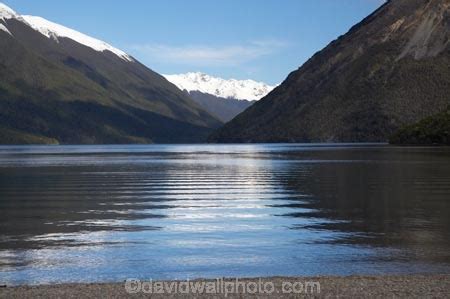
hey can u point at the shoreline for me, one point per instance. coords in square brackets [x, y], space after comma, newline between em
[398, 286]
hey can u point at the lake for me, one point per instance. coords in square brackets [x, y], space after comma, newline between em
[107, 213]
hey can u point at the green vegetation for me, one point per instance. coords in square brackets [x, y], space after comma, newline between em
[10, 136]
[431, 130]
[70, 94]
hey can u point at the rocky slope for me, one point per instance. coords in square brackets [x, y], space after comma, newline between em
[61, 86]
[390, 70]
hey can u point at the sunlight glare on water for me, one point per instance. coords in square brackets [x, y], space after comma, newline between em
[106, 213]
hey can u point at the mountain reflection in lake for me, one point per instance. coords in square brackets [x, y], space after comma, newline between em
[106, 213]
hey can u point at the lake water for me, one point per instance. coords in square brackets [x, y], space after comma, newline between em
[107, 213]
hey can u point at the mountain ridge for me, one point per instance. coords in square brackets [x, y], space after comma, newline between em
[54, 31]
[249, 90]
[220, 97]
[388, 71]
[74, 93]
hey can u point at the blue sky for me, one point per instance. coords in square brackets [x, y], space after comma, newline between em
[262, 40]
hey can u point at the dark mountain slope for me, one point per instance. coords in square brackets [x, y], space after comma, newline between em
[63, 91]
[224, 109]
[390, 70]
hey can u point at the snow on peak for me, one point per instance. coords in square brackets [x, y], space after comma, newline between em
[232, 88]
[3, 28]
[53, 30]
[7, 13]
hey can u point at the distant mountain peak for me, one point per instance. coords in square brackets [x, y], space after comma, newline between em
[55, 31]
[236, 89]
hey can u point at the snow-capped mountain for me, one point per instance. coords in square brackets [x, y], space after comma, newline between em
[62, 86]
[55, 31]
[7, 13]
[230, 89]
[223, 98]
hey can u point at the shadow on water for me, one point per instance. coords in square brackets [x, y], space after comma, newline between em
[379, 198]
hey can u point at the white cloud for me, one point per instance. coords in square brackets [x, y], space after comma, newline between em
[202, 55]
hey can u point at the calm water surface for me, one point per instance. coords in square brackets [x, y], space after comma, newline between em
[106, 213]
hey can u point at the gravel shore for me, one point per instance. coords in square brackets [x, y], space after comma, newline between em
[399, 286]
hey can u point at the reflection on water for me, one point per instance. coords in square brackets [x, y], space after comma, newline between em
[105, 213]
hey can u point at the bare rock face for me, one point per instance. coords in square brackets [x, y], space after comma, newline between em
[430, 37]
[390, 70]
